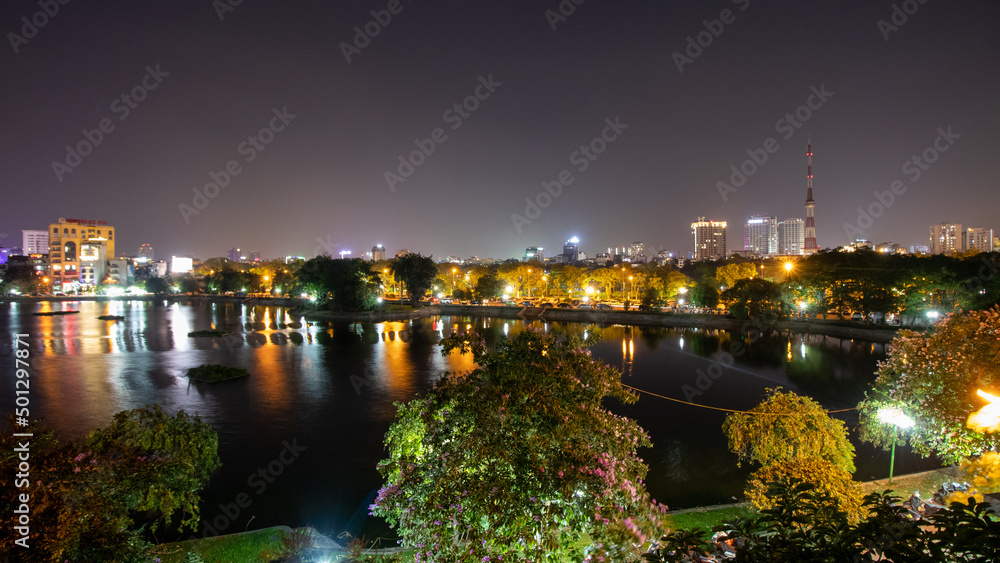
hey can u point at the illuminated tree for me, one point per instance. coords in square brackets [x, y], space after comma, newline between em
[933, 379]
[518, 460]
[90, 500]
[786, 426]
[729, 274]
[416, 272]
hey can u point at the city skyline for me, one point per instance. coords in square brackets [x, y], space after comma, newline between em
[482, 130]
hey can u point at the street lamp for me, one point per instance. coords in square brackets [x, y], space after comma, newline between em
[630, 286]
[546, 280]
[897, 419]
[453, 270]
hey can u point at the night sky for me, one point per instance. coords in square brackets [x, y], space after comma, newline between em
[212, 81]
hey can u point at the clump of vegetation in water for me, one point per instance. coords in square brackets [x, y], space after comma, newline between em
[215, 372]
[214, 333]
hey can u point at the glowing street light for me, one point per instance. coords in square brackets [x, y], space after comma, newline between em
[986, 419]
[895, 417]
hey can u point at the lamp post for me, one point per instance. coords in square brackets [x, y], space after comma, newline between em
[898, 420]
[546, 280]
[453, 270]
[630, 286]
[529, 283]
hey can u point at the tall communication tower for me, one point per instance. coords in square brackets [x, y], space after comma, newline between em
[810, 238]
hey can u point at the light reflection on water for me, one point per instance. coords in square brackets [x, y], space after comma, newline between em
[332, 386]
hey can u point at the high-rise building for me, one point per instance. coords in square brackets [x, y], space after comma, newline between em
[708, 239]
[378, 253]
[809, 246]
[571, 251]
[791, 237]
[534, 253]
[67, 239]
[946, 238]
[234, 255]
[146, 251]
[255, 256]
[637, 252]
[760, 235]
[978, 238]
[35, 242]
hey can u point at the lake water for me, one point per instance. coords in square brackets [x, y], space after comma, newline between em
[300, 438]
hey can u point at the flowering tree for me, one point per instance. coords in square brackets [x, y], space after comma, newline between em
[518, 460]
[86, 497]
[933, 378]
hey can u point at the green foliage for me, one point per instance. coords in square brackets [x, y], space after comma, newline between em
[343, 284]
[158, 286]
[489, 286]
[756, 298]
[729, 274]
[805, 524]
[705, 295]
[933, 378]
[21, 279]
[87, 496]
[518, 458]
[416, 272]
[786, 426]
[824, 476]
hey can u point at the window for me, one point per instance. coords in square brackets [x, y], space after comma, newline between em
[74, 232]
[70, 251]
[111, 234]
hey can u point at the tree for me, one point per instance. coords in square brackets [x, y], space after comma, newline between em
[159, 286]
[729, 274]
[489, 286]
[518, 458]
[933, 378]
[704, 295]
[756, 298]
[417, 272]
[342, 284]
[147, 466]
[786, 426]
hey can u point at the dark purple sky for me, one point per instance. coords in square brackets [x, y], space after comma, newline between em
[322, 177]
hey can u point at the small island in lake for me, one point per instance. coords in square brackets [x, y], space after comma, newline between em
[214, 333]
[214, 372]
[54, 313]
[111, 318]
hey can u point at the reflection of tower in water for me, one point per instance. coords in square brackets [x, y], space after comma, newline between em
[628, 350]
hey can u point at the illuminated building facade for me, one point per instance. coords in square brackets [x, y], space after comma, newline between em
[75, 248]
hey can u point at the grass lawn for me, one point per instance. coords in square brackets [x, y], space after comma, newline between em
[223, 549]
[706, 519]
[245, 548]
